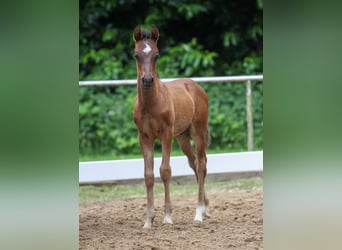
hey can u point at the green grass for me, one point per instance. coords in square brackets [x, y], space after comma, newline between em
[112, 191]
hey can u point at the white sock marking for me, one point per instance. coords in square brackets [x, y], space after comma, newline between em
[199, 213]
[168, 219]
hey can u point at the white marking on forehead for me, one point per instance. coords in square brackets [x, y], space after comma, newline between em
[147, 48]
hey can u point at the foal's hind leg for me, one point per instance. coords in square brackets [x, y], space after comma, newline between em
[201, 163]
[184, 143]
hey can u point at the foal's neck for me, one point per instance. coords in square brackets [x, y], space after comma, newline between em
[150, 95]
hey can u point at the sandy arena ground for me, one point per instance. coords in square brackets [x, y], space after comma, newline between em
[236, 223]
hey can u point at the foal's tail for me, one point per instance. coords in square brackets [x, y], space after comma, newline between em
[208, 138]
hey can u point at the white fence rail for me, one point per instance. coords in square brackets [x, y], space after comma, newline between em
[247, 79]
[106, 171]
[257, 78]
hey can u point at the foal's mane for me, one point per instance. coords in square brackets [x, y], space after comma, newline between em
[140, 34]
[146, 34]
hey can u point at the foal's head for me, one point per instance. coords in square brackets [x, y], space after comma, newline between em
[146, 54]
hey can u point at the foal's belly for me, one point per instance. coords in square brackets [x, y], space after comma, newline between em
[183, 120]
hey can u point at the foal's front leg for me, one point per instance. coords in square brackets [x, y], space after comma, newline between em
[165, 174]
[146, 146]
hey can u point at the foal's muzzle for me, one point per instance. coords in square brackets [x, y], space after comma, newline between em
[147, 82]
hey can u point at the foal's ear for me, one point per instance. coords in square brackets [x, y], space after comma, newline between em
[154, 34]
[137, 34]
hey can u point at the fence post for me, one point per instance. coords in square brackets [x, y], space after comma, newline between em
[249, 112]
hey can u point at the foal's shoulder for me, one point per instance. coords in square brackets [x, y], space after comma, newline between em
[182, 82]
[185, 85]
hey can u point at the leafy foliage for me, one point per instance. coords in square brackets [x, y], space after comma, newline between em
[197, 38]
[106, 124]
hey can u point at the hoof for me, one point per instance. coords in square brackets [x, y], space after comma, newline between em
[197, 223]
[200, 211]
[147, 225]
[167, 219]
[198, 220]
[149, 219]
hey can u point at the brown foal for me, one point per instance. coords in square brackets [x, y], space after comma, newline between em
[162, 111]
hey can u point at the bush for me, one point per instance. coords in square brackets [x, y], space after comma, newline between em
[106, 125]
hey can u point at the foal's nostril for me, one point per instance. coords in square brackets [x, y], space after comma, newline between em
[147, 81]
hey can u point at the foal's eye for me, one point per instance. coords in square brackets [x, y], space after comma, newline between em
[156, 56]
[136, 55]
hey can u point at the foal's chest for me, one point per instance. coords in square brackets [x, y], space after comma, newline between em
[153, 125]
